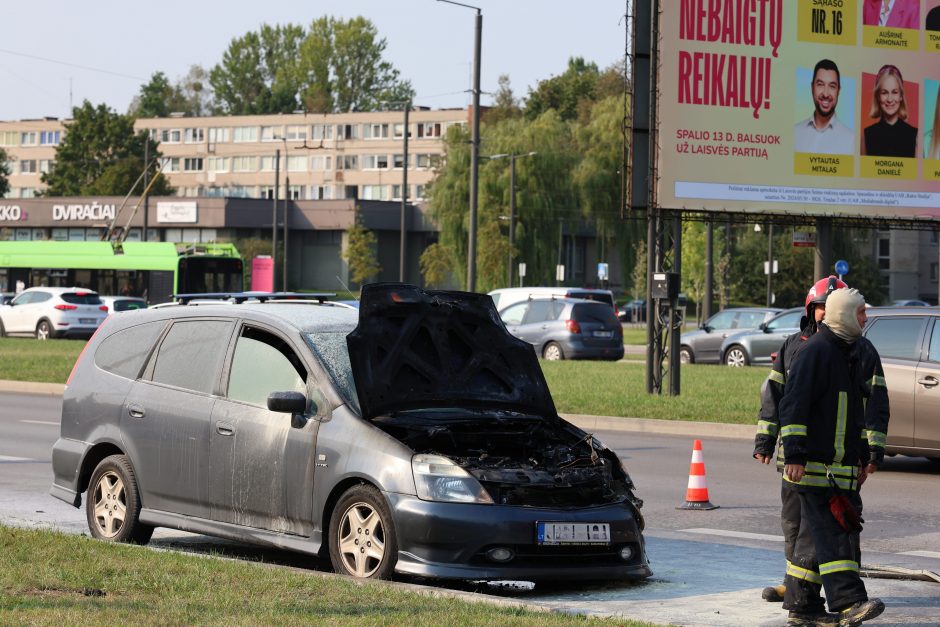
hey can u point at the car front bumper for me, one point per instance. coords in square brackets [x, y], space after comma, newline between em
[451, 540]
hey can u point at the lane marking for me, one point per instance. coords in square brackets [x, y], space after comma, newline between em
[8, 458]
[933, 554]
[40, 422]
[734, 534]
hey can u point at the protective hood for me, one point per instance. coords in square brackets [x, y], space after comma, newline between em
[417, 349]
[842, 313]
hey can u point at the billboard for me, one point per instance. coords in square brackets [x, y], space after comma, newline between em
[813, 107]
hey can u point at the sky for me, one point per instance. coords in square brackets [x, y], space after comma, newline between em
[56, 53]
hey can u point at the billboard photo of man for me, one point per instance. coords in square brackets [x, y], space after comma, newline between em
[823, 132]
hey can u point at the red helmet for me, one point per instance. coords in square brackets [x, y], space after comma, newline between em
[821, 289]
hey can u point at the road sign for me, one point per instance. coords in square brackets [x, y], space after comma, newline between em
[560, 273]
[842, 267]
[521, 269]
[804, 238]
[602, 272]
[767, 269]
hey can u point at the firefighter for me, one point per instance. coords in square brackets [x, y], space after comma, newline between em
[768, 420]
[826, 457]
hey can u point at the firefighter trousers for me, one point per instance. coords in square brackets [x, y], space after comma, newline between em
[824, 556]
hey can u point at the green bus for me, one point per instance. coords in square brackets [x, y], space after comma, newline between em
[151, 270]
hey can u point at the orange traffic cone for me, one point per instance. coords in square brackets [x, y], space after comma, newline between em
[696, 496]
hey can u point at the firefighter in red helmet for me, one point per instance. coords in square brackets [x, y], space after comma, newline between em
[769, 424]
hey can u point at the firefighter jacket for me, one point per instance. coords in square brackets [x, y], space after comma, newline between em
[822, 412]
[873, 389]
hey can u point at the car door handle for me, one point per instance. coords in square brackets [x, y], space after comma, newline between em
[135, 411]
[224, 428]
[928, 382]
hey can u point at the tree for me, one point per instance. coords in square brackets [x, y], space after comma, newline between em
[566, 92]
[100, 155]
[341, 68]
[158, 98]
[436, 265]
[154, 98]
[360, 252]
[505, 104]
[4, 173]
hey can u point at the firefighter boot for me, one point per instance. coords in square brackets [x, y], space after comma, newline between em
[857, 613]
[813, 619]
[773, 594]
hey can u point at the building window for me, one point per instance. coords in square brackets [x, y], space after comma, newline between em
[170, 135]
[171, 164]
[296, 132]
[321, 163]
[347, 131]
[9, 138]
[50, 138]
[192, 164]
[398, 131]
[194, 135]
[272, 133]
[296, 164]
[429, 129]
[28, 192]
[398, 161]
[218, 135]
[295, 192]
[374, 192]
[374, 162]
[321, 131]
[396, 192]
[29, 166]
[934, 237]
[29, 138]
[884, 253]
[244, 164]
[45, 165]
[321, 192]
[267, 163]
[419, 192]
[218, 164]
[347, 162]
[375, 131]
[246, 134]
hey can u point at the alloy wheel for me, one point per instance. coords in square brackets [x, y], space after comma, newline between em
[362, 540]
[110, 500]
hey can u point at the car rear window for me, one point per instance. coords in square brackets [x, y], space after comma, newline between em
[594, 312]
[598, 296]
[124, 352]
[81, 298]
[128, 305]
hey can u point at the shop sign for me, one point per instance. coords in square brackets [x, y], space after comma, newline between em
[77, 212]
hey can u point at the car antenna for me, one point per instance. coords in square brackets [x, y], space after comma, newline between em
[345, 287]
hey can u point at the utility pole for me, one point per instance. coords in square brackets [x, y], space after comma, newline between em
[277, 183]
[403, 240]
[287, 198]
[146, 183]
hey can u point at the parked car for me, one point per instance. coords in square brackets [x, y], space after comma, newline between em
[759, 345]
[566, 328]
[123, 303]
[703, 346]
[49, 312]
[908, 341]
[910, 303]
[506, 296]
[634, 311]
[414, 436]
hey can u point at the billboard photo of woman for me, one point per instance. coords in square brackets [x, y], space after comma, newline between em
[891, 135]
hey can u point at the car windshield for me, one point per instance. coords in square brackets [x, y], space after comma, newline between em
[330, 348]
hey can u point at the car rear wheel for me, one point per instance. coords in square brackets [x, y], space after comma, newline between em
[113, 504]
[43, 330]
[553, 352]
[736, 356]
[685, 355]
[362, 540]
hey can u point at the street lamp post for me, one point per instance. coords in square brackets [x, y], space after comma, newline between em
[287, 198]
[277, 183]
[403, 240]
[512, 202]
[474, 150]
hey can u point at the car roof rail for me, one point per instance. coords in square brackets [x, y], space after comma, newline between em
[261, 297]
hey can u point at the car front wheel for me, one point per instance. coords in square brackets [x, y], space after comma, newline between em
[686, 356]
[362, 535]
[553, 352]
[43, 330]
[113, 504]
[736, 356]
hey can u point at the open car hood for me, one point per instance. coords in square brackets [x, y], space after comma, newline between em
[417, 349]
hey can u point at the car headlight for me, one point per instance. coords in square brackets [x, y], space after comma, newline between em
[439, 479]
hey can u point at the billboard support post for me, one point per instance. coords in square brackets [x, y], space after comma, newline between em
[823, 258]
[770, 262]
[709, 269]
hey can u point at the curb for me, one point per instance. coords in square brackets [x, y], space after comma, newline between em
[582, 421]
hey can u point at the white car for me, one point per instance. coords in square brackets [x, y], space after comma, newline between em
[123, 303]
[47, 312]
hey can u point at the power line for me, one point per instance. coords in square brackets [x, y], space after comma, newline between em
[75, 65]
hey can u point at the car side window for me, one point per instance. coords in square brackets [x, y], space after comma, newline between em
[264, 363]
[933, 353]
[540, 311]
[192, 353]
[40, 297]
[515, 313]
[748, 320]
[22, 299]
[124, 352]
[786, 321]
[723, 320]
[897, 338]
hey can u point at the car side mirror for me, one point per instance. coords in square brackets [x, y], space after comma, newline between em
[763, 327]
[293, 403]
[707, 328]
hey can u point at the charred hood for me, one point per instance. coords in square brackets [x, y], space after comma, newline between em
[417, 349]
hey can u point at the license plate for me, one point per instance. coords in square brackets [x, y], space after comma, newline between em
[555, 533]
[88, 321]
[603, 334]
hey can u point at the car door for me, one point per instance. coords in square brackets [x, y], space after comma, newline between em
[537, 327]
[720, 326]
[927, 394]
[777, 330]
[16, 313]
[166, 416]
[898, 341]
[513, 316]
[261, 468]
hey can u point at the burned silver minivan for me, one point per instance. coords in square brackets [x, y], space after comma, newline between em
[413, 436]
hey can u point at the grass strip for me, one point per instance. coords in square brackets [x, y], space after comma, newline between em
[27, 359]
[50, 578]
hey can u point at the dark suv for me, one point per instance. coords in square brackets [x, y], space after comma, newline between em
[413, 435]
